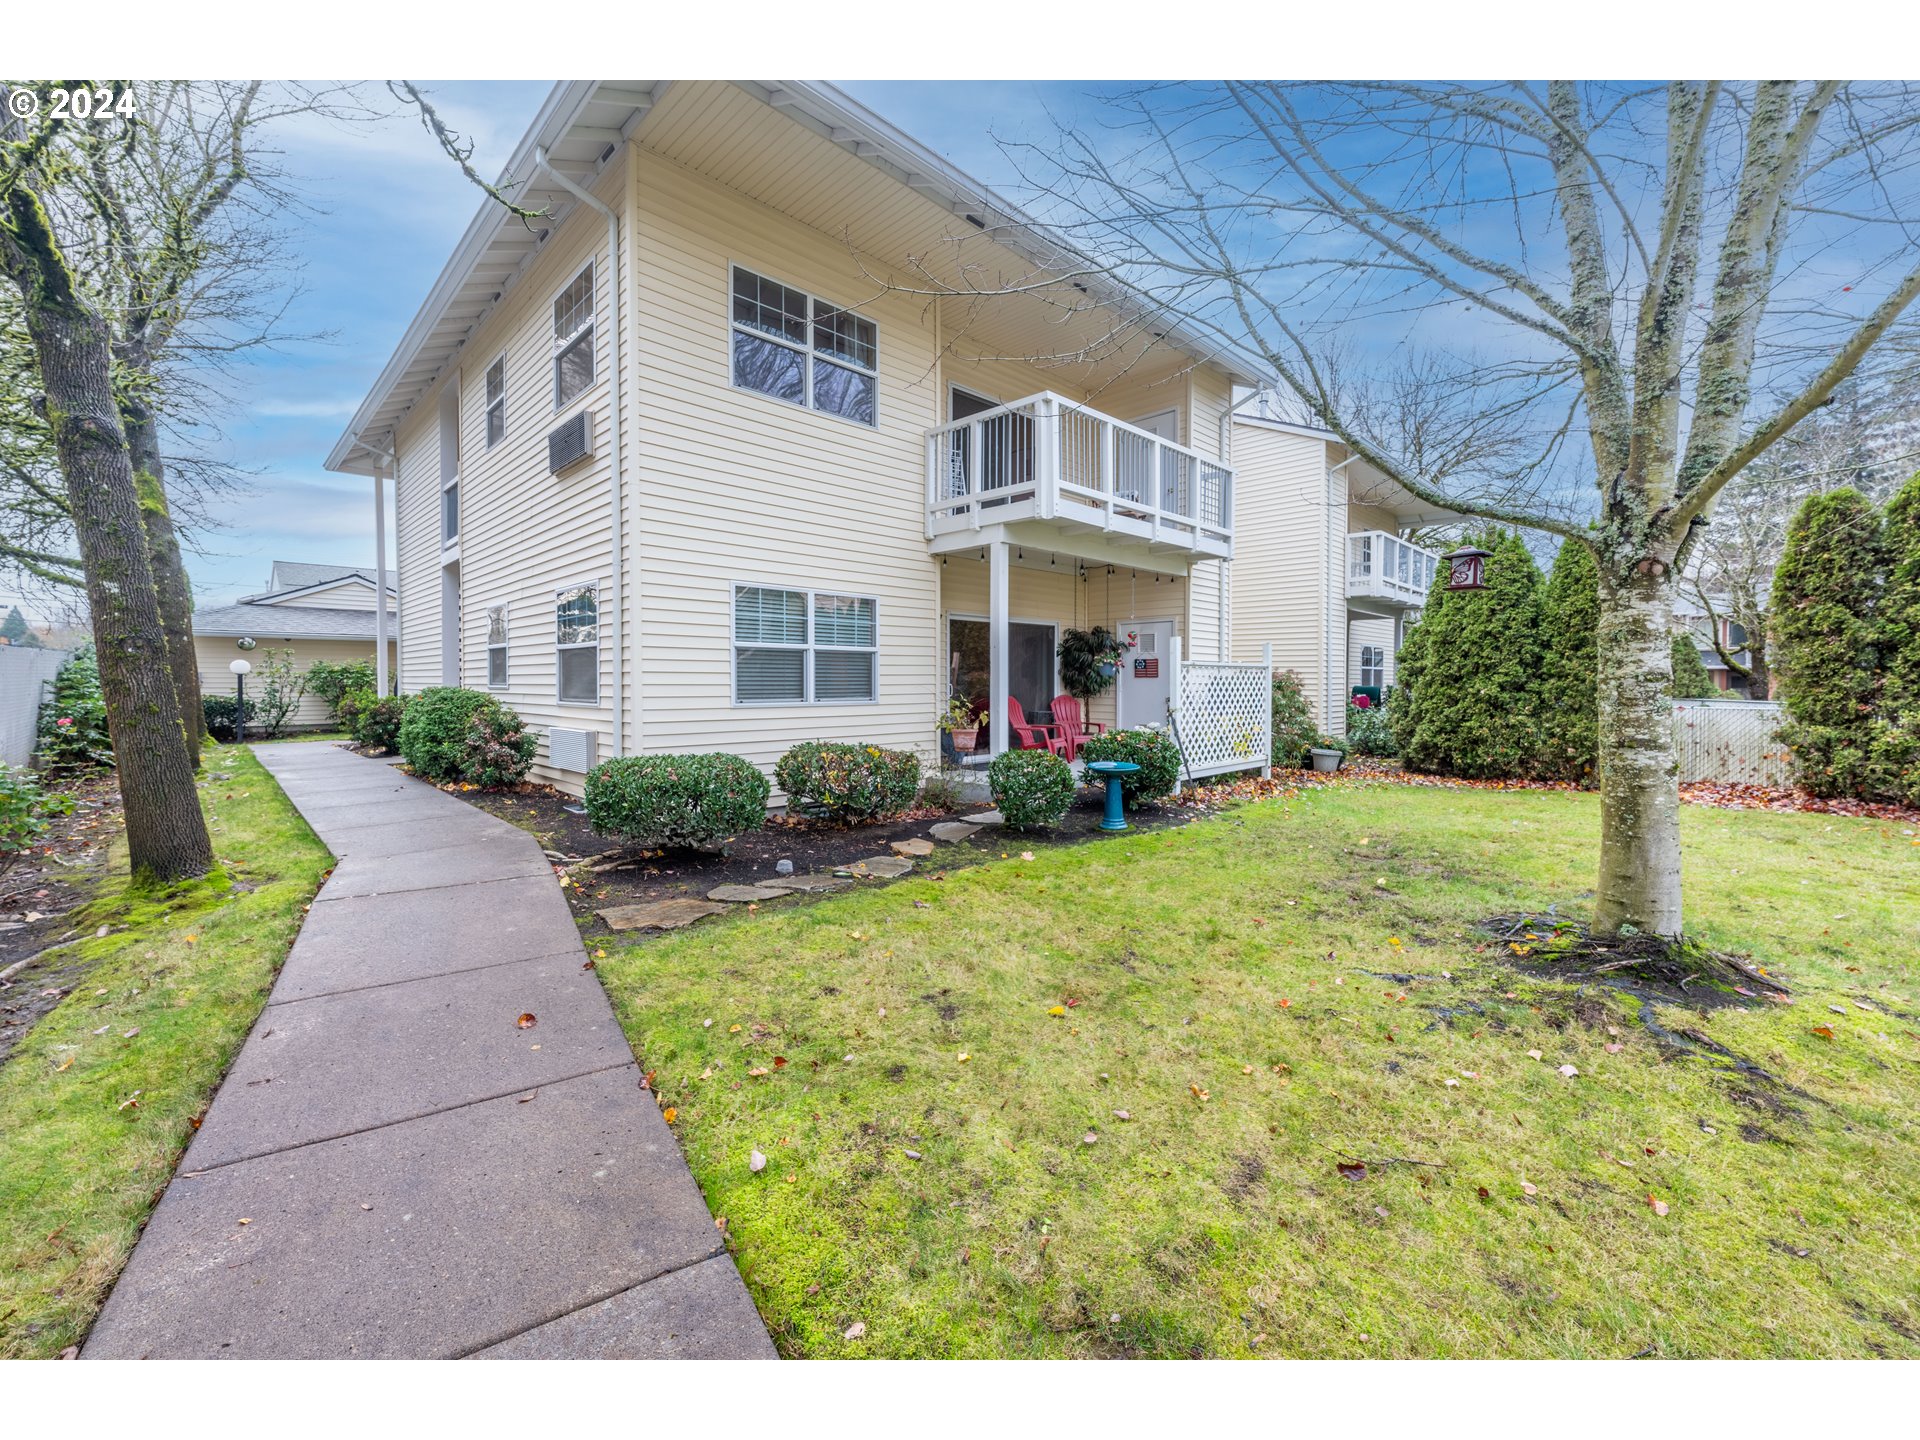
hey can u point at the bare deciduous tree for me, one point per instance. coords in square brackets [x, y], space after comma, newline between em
[1665, 279]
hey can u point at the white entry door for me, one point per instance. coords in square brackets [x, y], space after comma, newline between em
[1145, 676]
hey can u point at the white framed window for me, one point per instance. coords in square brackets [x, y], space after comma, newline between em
[496, 402]
[497, 647]
[577, 644]
[1373, 666]
[450, 512]
[573, 348]
[795, 347]
[804, 647]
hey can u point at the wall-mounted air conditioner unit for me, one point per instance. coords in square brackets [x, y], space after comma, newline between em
[574, 750]
[571, 443]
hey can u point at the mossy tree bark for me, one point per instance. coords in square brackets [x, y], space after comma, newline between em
[166, 833]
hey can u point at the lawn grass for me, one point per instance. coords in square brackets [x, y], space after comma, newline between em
[188, 968]
[1224, 1001]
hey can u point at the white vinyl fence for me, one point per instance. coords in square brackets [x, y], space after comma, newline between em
[1730, 741]
[1222, 714]
[26, 679]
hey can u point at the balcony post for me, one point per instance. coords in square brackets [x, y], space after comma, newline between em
[976, 443]
[935, 443]
[1048, 439]
[1109, 476]
[998, 655]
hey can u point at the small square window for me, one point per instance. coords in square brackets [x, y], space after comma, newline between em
[496, 402]
[450, 514]
[497, 647]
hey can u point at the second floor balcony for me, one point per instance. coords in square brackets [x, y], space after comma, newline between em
[1386, 569]
[1053, 460]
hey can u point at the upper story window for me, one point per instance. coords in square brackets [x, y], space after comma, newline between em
[573, 357]
[801, 349]
[496, 402]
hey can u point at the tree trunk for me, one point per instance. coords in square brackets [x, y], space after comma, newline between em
[1639, 790]
[166, 833]
[170, 583]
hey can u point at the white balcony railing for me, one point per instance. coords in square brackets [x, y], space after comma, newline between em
[1385, 567]
[1050, 458]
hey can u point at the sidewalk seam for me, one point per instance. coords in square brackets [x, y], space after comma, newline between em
[720, 1248]
[273, 1004]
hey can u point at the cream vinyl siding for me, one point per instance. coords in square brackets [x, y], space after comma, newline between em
[1368, 632]
[525, 533]
[1289, 568]
[348, 595]
[212, 655]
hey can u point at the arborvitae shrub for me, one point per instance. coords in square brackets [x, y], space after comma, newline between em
[1690, 678]
[1570, 667]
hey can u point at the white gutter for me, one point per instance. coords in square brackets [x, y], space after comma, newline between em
[615, 503]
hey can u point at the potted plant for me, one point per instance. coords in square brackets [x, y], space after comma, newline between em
[962, 722]
[1089, 661]
[1327, 753]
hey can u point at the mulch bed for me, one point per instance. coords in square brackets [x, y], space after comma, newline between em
[813, 846]
[36, 893]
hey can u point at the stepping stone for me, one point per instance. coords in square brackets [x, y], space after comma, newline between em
[745, 894]
[659, 915]
[913, 848]
[987, 817]
[887, 867]
[814, 882]
[951, 830]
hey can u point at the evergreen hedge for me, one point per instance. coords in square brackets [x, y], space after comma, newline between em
[1690, 678]
[1570, 668]
[1826, 649]
[1033, 789]
[1895, 749]
[697, 802]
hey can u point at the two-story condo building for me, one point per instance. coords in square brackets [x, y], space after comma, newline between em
[774, 426]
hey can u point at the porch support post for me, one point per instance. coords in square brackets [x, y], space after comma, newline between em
[998, 655]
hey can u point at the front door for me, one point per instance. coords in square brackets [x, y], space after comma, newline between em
[1145, 676]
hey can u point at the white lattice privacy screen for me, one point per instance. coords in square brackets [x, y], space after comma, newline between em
[1730, 741]
[1225, 717]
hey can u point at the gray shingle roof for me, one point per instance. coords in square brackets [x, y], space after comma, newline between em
[284, 622]
[296, 574]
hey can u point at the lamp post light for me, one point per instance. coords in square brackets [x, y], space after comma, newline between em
[1466, 568]
[241, 669]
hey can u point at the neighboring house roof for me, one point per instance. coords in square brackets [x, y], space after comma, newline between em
[582, 124]
[292, 622]
[299, 574]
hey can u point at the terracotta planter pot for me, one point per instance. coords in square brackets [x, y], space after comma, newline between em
[965, 740]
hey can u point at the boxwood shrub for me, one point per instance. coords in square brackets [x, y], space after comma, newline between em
[373, 720]
[449, 733]
[1152, 750]
[848, 782]
[1033, 788]
[696, 802]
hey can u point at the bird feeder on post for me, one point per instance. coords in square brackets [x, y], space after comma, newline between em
[1466, 568]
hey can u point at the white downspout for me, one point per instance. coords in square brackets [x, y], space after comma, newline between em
[1225, 451]
[615, 488]
[380, 633]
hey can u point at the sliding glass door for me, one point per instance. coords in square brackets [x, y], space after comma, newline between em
[1030, 674]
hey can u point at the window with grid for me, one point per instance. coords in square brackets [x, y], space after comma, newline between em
[1373, 666]
[795, 347]
[577, 643]
[496, 402]
[497, 647]
[573, 358]
[798, 647]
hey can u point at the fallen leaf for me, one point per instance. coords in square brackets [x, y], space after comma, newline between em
[1825, 1032]
[1198, 1093]
[1659, 1207]
[527, 1021]
[1122, 1115]
[965, 1057]
[1529, 1189]
[245, 1220]
[1057, 1010]
[670, 1114]
[1351, 1169]
[64, 1063]
[756, 1162]
[855, 1330]
[1568, 1071]
[1026, 854]
[1533, 1054]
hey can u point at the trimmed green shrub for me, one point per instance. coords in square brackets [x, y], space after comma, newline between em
[1033, 788]
[1152, 750]
[1826, 650]
[1570, 667]
[848, 782]
[1293, 728]
[1369, 731]
[373, 720]
[24, 808]
[1896, 742]
[221, 712]
[1690, 678]
[695, 802]
[334, 680]
[1476, 681]
[448, 733]
[73, 722]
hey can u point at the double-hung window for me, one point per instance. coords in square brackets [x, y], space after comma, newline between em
[798, 647]
[801, 349]
[577, 643]
[573, 357]
[1373, 666]
[497, 647]
[450, 512]
[496, 402]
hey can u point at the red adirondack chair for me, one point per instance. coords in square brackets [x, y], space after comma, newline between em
[1073, 728]
[1032, 737]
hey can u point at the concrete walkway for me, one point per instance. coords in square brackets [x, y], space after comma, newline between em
[395, 1167]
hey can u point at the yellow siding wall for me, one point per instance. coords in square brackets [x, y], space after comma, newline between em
[214, 653]
[353, 595]
[1369, 632]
